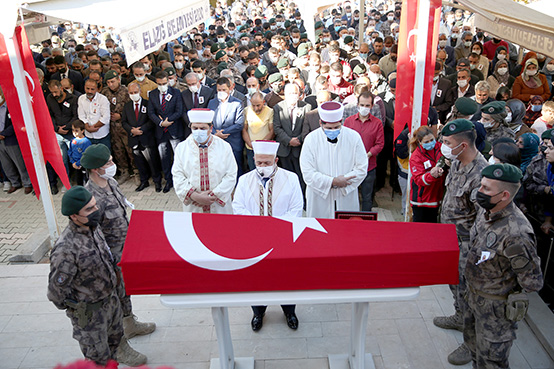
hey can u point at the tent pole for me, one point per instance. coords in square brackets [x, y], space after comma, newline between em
[32, 134]
[362, 23]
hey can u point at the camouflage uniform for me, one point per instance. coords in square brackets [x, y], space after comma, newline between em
[115, 224]
[457, 208]
[513, 265]
[535, 181]
[122, 153]
[211, 69]
[82, 271]
[500, 132]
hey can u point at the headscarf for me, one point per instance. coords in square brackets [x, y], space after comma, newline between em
[530, 149]
[518, 112]
[498, 50]
[505, 78]
[530, 115]
[528, 55]
[546, 71]
[534, 81]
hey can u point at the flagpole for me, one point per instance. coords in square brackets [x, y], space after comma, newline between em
[362, 23]
[31, 129]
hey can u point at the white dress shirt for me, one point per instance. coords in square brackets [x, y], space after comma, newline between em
[91, 112]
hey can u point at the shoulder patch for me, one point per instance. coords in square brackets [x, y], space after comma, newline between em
[491, 239]
[62, 279]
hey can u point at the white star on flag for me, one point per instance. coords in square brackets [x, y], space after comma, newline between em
[412, 57]
[300, 224]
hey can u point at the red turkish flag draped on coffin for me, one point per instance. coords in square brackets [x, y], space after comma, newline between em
[178, 252]
[407, 41]
[46, 136]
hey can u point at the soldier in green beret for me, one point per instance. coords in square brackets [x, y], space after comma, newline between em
[84, 282]
[493, 118]
[277, 90]
[457, 208]
[502, 267]
[173, 79]
[112, 205]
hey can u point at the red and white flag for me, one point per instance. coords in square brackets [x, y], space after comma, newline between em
[407, 44]
[45, 131]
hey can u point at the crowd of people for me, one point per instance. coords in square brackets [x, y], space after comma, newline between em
[191, 114]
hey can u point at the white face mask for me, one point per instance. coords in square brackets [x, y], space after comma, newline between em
[140, 79]
[455, 35]
[95, 47]
[462, 83]
[477, 51]
[531, 72]
[292, 100]
[501, 56]
[193, 89]
[222, 95]
[467, 43]
[252, 90]
[244, 42]
[265, 172]
[109, 172]
[502, 71]
[447, 151]
[221, 40]
[146, 67]
[390, 18]
[163, 88]
[364, 111]
[443, 43]
[179, 65]
[508, 118]
[492, 161]
[488, 124]
[111, 50]
[171, 82]
[71, 50]
[134, 97]
[295, 40]
[200, 135]
[550, 67]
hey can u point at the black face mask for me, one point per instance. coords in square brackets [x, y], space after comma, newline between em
[480, 34]
[93, 219]
[62, 70]
[496, 40]
[484, 200]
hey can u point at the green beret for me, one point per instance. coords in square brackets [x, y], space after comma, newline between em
[302, 51]
[348, 39]
[466, 106]
[303, 35]
[220, 54]
[242, 28]
[170, 71]
[282, 63]
[272, 20]
[222, 45]
[457, 126]
[222, 66]
[95, 156]
[231, 43]
[244, 35]
[267, 34]
[360, 69]
[260, 72]
[285, 33]
[547, 135]
[275, 77]
[253, 44]
[74, 200]
[214, 48]
[495, 107]
[318, 24]
[503, 172]
[111, 74]
[287, 24]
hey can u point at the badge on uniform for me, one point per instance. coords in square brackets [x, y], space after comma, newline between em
[439, 93]
[114, 100]
[201, 99]
[66, 104]
[485, 255]
[62, 278]
[129, 204]
[168, 97]
[480, 67]
[491, 239]
[143, 110]
[427, 164]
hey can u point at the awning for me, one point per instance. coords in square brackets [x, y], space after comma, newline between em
[520, 24]
[143, 27]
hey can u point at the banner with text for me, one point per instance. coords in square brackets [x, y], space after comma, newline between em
[141, 40]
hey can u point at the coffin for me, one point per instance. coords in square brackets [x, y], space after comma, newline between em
[175, 252]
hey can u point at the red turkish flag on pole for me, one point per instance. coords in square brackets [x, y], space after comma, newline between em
[45, 131]
[405, 77]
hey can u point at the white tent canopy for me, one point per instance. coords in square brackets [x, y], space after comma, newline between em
[143, 27]
[520, 24]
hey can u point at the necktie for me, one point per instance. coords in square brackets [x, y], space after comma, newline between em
[163, 103]
[196, 100]
[136, 111]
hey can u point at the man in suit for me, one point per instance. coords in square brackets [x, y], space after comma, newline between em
[234, 92]
[442, 98]
[199, 67]
[311, 120]
[463, 86]
[65, 72]
[228, 119]
[197, 96]
[288, 119]
[142, 141]
[165, 108]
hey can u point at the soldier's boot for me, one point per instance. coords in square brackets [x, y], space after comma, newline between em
[128, 356]
[455, 321]
[460, 356]
[132, 327]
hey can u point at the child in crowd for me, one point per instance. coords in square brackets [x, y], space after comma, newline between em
[76, 149]
[546, 120]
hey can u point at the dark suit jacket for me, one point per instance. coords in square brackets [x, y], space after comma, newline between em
[63, 114]
[129, 120]
[312, 99]
[444, 99]
[232, 122]
[209, 83]
[9, 132]
[240, 88]
[469, 93]
[311, 123]
[282, 125]
[173, 112]
[75, 77]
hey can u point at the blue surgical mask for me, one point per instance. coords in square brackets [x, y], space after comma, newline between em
[363, 56]
[429, 145]
[536, 107]
[200, 135]
[331, 133]
[337, 28]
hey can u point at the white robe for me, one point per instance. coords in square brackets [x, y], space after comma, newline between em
[222, 169]
[321, 161]
[287, 199]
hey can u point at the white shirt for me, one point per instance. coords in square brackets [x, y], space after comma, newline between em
[222, 168]
[286, 198]
[90, 112]
[321, 161]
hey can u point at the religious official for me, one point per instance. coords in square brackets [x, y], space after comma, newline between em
[502, 267]
[83, 281]
[271, 191]
[204, 169]
[113, 221]
[457, 208]
[334, 163]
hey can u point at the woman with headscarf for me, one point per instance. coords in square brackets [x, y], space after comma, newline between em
[503, 94]
[528, 145]
[516, 71]
[548, 71]
[483, 64]
[500, 54]
[534, 110]
[515, 110]
[500, 77]
[530, 83]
